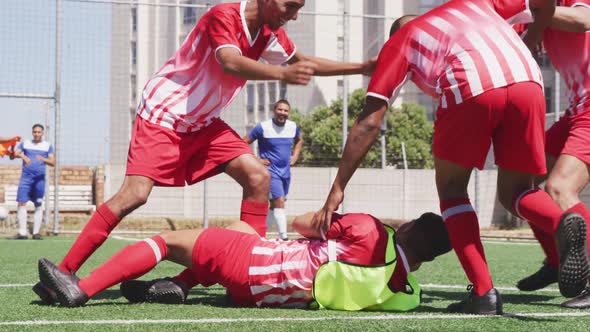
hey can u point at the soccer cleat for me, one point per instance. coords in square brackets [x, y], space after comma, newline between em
[167, 291]
[63, 284]
[21, 237]
[46, 295]
[574, 266]
[37, 237]
[488, 304]
[581, 301]
[540, 279]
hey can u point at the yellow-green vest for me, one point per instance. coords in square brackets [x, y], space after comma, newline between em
[339, 285]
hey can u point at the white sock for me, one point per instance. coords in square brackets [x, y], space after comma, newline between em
[281, 219]
[270, 220]
[37, 219]
[21, 216]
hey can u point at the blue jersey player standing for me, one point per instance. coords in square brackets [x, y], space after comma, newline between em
[277, 137]
[35, 153]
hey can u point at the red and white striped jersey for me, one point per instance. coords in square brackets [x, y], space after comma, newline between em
[570, 54]
[191, 88]
[455, 52]
[282, 273]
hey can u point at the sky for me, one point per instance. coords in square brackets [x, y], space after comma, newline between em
[27, 59]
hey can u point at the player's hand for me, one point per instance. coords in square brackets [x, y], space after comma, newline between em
[264, 161]
[39, 157]
[369, 66]
[17, 138]
[322, 219]
[299, 73]
[27, 160]
[293, 160]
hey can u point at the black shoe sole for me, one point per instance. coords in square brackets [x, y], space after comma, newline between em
[138, 291]
[135, 291]
[48, 278]
[46, 296]
[574, 265]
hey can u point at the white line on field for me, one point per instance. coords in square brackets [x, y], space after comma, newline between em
[283, 319]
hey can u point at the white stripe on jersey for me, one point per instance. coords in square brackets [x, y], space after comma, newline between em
[270, 269]
[454, 87]
[300, 283]
[278, 299]
[470, 69]
[41, 146]
[512, 59]
[492, 65]
[266, 251]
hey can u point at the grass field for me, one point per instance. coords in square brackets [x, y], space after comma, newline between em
[443, 282]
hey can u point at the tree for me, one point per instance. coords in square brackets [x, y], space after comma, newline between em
[322, 133]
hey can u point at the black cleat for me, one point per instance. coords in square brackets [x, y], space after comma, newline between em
[540, 279]
[167, 291]
[37, 237]
[488, 304]
[574, 266]
[46, 295]
[582, 301]
[63, 284]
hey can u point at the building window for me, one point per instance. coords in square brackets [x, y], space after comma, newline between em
[250, 98]
[190, 14]
[340, 90]
[272, 94]
[282, 90]
[133, 52]
[134, 19]
[260, 87]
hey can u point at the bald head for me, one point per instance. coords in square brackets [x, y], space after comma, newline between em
[400, 22]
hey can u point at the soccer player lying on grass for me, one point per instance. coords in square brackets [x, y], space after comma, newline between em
[363, 265]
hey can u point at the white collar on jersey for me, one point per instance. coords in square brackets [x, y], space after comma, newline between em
[245, 25]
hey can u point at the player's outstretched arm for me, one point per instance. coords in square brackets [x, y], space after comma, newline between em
[571, 19]
[327, 67]
[359, 141]
[237, 65]
[543, 11]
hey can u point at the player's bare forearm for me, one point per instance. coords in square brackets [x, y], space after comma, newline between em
[571, 19]
[237, 65]
[50, 161]
[543, 11]
[247, 139]
[327, 67]
[362, 135]
[303, 225]
[297, 150]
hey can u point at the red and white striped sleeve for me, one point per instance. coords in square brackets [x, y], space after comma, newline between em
[513, 11]
[223, 31]
[279, 49]
[392, 70]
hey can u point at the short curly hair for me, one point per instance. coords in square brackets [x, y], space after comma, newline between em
[427, 237]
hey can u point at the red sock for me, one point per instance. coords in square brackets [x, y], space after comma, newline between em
[93, 235]
[548, 244]
[131, 262]
[463, 227]
[582, 210]
[254, 214]
[187, 277]
[539, 209]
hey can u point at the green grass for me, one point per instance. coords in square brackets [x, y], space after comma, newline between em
[508, 263]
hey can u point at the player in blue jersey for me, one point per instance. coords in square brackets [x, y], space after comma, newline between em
[277, 137]
[35, 153]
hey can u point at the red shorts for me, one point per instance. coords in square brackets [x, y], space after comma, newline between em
[512, 117]
[570, 135]
[222, 256]
[173, 159]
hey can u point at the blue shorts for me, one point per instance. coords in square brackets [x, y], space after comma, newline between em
[31, 189]
[279, 187]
